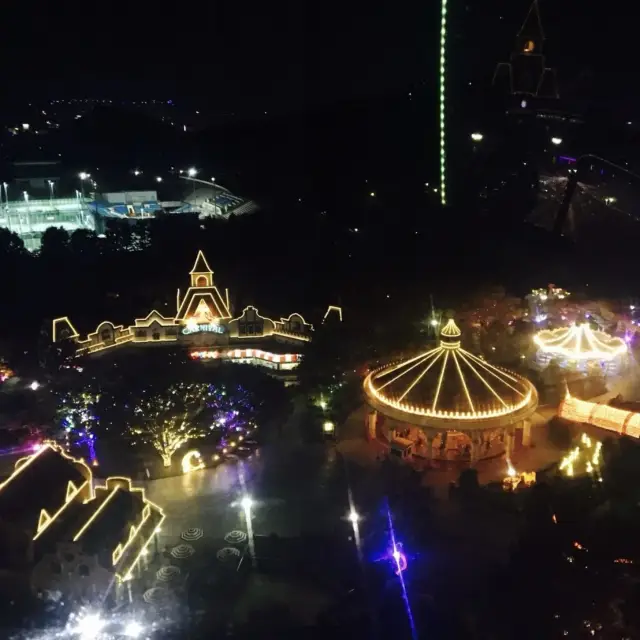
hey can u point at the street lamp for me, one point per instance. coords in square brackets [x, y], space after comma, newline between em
[192, 172]
[51, 183]
[477, 137]
[158, 179]
[6, 193]
[556, 141]
[214, 196]
[328, 427]
[83, 176]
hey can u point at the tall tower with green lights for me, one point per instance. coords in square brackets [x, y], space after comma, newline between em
[442, 98]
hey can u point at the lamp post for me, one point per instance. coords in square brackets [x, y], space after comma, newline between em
[192, 172]
[6, 194]
[26, 200]
[51, 184]
[213, 180]
[83, 176]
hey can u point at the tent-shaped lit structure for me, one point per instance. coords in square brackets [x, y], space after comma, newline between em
[578, 346]
[450, 403]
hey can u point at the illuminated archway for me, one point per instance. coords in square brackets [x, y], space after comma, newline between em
[192, 461]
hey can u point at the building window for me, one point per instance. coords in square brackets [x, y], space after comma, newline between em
[141, 333]
[156, 336]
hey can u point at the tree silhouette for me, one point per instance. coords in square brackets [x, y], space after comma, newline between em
[55, 243]
[10, 243]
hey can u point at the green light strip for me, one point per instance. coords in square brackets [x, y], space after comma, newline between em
[443, 151]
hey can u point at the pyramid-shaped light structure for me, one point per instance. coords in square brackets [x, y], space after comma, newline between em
[580, 342]
[448, 383]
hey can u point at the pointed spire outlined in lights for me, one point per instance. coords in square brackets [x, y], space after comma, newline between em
[580, 342]
[449, 383]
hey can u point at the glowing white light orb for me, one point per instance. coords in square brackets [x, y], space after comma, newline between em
[133, 629]
[353, 516]
[34, 386]
[246, 503]
[477, 137]
[89, 626]
[556, 141]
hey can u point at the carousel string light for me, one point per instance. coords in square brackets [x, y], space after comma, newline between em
[580, 342]
[504, 390]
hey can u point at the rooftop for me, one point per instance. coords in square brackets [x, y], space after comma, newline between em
[448, 383]
[39, 482]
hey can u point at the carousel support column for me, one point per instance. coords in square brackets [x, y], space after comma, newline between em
[476, 445]
[430, 438]
[526, 433]
[371, 426]
[509, 441]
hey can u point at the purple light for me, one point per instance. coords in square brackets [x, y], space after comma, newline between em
[400, 559]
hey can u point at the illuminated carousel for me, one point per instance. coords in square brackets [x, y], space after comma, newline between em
[581, 347]
[448, 404]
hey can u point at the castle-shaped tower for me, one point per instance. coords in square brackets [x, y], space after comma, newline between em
[526, 75]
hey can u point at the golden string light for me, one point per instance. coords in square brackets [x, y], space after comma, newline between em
[580, 342]
[600, 415]
[506, 391]
[202, 308]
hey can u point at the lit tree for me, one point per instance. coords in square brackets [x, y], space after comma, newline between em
[168, 420]
[231, 411]
[76, 412]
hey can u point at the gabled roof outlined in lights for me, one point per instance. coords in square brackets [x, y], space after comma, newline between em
[580, 342]
[449, 383]
[202, 292]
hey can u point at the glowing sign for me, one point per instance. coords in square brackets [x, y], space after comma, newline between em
[209, 327]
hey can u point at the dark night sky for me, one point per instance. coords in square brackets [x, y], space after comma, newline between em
[279, 52]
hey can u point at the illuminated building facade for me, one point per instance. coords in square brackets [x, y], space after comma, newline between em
[205, 325]
[448, 404]
[580, 347]
[31, 218]
[70, 537]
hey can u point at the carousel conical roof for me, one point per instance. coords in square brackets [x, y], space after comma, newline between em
[580, 342]
[449, 382]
